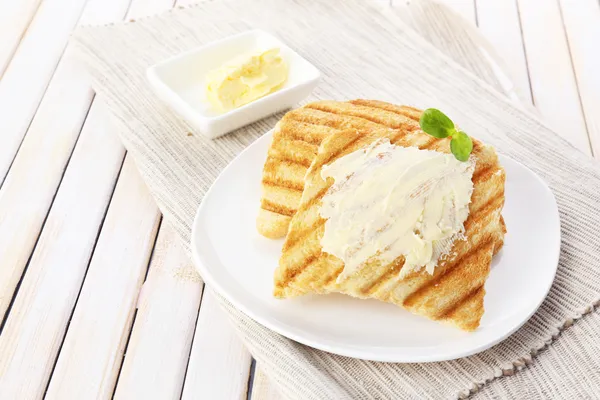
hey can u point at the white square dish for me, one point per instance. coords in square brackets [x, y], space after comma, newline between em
[180, 82]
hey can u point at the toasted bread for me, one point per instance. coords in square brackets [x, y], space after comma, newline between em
[295, 142]
[454, 292]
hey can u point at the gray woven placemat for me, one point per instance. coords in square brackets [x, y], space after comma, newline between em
[364, 51]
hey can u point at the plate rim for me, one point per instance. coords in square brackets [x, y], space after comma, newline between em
[357, 352]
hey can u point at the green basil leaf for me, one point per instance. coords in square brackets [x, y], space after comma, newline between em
[461, 146]
[436, 123]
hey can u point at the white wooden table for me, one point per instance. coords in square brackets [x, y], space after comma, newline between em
[96, 297]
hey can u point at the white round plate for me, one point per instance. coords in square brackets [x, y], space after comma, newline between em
[238, 262]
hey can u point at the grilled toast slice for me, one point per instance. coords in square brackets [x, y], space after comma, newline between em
[296, 140]
[453, 293]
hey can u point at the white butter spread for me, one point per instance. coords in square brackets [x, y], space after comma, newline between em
[389, 201]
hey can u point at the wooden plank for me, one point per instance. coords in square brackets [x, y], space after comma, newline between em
[551, 74]
[26, 78]
[219, 363]
[37, 323]
[15, 17]
[161, 339]
[36, 172]
[28, 190]
[262, 389]
[91, 355]
[582, 25]
[499, 22]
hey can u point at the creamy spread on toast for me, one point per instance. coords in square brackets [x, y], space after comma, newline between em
[390, 201]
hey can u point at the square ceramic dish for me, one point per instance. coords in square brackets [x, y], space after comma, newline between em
[180, 82]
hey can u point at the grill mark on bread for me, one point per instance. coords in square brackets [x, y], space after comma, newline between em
[310, 260]
[292, 135]
[390, 108]
[398, 140]
[385, 105]
[291, 241]
[341, 113]
[453, 266]
[485, 173]
[283, 184]
[297, 270]
[403, 136]
[399, 137]
[307, 143]
[284, 160]
[314, 199]
[412, 108]
[483, 212]
[404, 128]
[499, 243]
[277, 208]
[390, 274]
[431, 144]
[459, 303]
[273, 158]
[481, 172]
[313, 138]
[341, 150]
[333, 277]
[363, 111]
[333, 128]
[331, 119]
